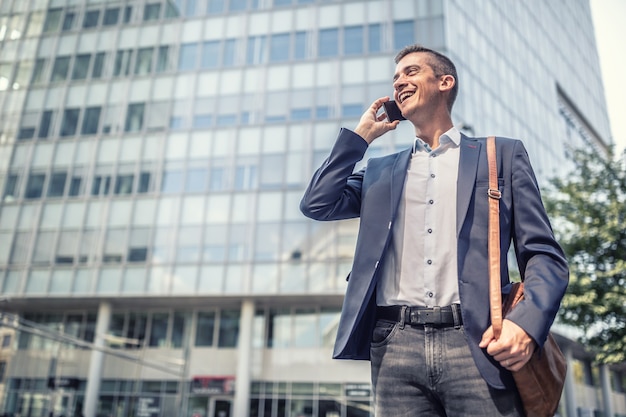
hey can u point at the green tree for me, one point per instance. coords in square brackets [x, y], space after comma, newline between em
[588, 212]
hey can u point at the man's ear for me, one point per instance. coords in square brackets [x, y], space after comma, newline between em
[446, 82]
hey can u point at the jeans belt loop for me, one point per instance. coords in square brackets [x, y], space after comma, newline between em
[437, 318]
[456, 314]
[402, 317]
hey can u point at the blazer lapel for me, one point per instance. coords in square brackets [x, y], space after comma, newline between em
[468, 165]
[398, 177]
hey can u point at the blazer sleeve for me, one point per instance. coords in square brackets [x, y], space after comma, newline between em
[334, 192]
[541, 261]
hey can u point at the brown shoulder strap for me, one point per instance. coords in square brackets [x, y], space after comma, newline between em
[495, 292]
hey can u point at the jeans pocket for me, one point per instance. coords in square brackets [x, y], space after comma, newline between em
[383, 331]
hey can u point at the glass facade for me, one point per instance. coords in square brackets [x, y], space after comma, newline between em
[152, 158]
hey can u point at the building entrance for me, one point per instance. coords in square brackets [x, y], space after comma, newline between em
[62, 404]
[220, 407]
[210, 406]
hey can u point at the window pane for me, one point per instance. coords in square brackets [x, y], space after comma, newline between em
[163, 59]
[75, 183]
[114, 246]
[144, 182]
[215, 6]
[279, 47]
[60, 68]
[53, 19]
[68, 22]
[403, 34]
[328, 42]
[256, 53]
[124, 184]
[210, 54]
[172, 181]
[98, 65]
[34, 186]
[57, 184]
[43, 248]
[38, 71]
[128, 13]
[158, 330]
[81, 66]
[111, 16]
[27, 125]
[10, 186]
[197, 180]
[151, 11]
[178, 328]
[61, 282]
[70, 122]
[66, 247]
[109, 281]
[191, 7]
[272, 171]
[91, 120]
[374, 38]
[205, 326]
[134, 117]
[301, 46]
[353, 40]
[304, 328]
[229, 329]
[91, 18]
[230, 52]
[215, 239]
[122, 62]
[236, 5]
[139, 241]
[279, 331]
[44, 126]
[187, 57]
[37, 282]
[144, 61]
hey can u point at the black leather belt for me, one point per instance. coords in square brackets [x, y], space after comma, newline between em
[447, 316]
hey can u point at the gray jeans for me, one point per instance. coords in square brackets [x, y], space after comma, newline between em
[428, 371]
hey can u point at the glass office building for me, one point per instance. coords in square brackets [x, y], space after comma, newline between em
[153, 259]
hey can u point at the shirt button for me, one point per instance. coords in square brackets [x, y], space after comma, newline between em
[432, 175]
[430, 294]
[429, 262]
[430, 230]
[431, 201]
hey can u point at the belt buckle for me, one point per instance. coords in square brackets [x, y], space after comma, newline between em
[430, 316]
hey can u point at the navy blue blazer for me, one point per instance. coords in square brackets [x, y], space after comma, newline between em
[337, 192]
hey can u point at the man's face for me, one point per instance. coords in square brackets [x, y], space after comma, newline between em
[415, 84]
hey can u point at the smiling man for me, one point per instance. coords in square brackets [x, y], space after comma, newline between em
[417, 301]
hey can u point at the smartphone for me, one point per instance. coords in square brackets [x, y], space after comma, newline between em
[392, 111]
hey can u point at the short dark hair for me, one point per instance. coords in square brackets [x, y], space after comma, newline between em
[441, 65]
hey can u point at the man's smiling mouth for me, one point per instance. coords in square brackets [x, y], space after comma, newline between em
[405, 95]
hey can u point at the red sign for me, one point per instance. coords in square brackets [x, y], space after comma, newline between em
[213, 385]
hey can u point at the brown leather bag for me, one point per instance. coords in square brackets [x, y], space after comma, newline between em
[540, 381]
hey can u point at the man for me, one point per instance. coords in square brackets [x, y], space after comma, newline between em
[417, 301]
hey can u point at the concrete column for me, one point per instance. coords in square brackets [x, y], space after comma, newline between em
[569, 395]
[241, 406]
[97, 359]
[605, 384]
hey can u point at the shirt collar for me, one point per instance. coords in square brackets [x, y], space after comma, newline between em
[453, 135]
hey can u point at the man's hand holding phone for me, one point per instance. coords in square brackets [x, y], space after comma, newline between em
[372, 125]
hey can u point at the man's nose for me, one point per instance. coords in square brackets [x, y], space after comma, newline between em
[399, 83]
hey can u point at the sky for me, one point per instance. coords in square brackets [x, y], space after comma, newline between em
[609, 21]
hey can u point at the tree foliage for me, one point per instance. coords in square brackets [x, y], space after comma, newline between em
[588, 212]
